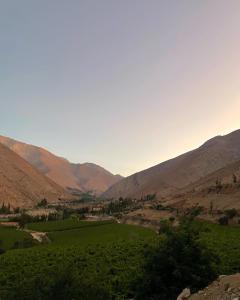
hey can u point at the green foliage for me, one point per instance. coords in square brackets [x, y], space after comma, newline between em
[223, 220]
[101, 233]
[179, 261]
[5, 209]
[114, 261]
[119, 206]
[10, 236]
[68, 271]
[224, 241]
[231, 213]
[24, 219]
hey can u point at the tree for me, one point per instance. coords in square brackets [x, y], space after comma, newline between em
[42, 203]
[211, 208]
[178, 261]
[234, 178]
[24, 219]
[231, 213]
[223, 220]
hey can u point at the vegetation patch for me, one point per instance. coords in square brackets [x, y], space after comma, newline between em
[12, 238]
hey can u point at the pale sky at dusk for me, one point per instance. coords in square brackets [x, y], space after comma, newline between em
[125, 84]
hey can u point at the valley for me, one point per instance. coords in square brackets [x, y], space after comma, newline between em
[58, 242]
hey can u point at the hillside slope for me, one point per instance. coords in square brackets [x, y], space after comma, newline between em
[171, 176]
[84, 177]
[219, 190]
[21, 185]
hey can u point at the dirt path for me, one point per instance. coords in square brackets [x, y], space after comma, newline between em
[37, 235]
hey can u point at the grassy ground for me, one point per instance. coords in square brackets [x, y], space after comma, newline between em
[8, 236]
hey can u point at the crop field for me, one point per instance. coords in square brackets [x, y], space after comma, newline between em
[95, 260]
[110, 255]
[72, 272]
[8, 236]
[66, 224]
[101, 233]
[225, 242]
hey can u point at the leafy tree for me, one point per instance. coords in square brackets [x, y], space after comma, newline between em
[231, 213]
[179, 261]
[24, 219]
[223, 220]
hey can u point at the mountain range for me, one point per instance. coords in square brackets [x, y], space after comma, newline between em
[171, 176]
[86, 177]
[29, 173]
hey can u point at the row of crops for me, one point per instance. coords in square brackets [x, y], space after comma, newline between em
[99, 261]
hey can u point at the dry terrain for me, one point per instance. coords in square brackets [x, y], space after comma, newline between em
[220, 189]
[83, 177]
[171, 176]
[224, 288]
[21, 185]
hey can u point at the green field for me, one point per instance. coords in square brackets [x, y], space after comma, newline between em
[8, 236]
[101, 234]
[108, 254]
[95, 260]
[62, 225]
[225, 242]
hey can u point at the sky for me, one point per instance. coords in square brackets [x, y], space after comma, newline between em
[124, 84]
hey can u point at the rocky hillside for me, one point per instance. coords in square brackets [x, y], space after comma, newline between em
[171, 176]
[83, 177]
[225, 287]
[21, 185]
[220, 190]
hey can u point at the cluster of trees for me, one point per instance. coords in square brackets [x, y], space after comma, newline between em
[5, 209]
[229, 214]
[149, 197]
[119, 206]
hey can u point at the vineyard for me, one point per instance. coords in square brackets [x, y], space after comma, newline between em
[90, 260]
[9, 237]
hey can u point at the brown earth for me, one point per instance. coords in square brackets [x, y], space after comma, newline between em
[82, 177]
[217, 189]
[21, 185]
[224, 288]
[146, 217]
[173, 175]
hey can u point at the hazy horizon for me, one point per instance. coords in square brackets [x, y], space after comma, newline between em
[125, 85]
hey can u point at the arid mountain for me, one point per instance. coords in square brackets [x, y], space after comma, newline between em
[171, 176]
[83, 177]
[21, 185]
[219, 190]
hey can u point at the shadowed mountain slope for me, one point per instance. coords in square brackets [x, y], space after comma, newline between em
[84, 177]
[21, 185]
